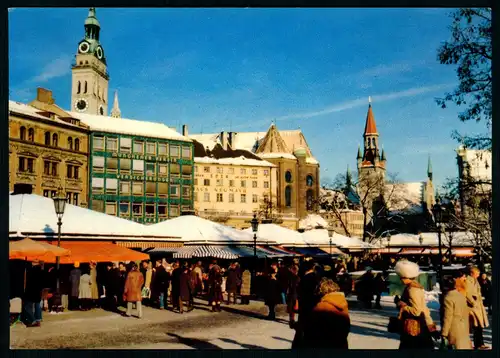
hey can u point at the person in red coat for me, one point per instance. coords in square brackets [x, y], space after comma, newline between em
[132, 292]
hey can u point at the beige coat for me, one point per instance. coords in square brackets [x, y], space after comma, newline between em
[475, 302]
[415, 303]
[94, 289]
[246, 279]
[456, 320]
[149, 277]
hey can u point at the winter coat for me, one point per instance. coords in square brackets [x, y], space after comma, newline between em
[94, 289]
[215, 284]
[246, 282]
[185, 285]
[84, 288]
[34, 284]
[475, 302]
[292, 291]
[133, 286]
[456, 320]
[416, 319]
[486, 290]
[176, 281]
[148, 278]
[232, 281]
[365, 288]
[195, 282]
[74, 279]
[328, 325]
[112, 282]
[307, 294]
[283, 277]
[159, 282]
[273, 292]
[122, 278]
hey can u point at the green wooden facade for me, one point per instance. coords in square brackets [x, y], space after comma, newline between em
[143, 179]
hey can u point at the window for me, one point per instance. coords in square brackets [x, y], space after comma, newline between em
[125, 145]
[243, 183]
[220, 182]
[98, 143]
[174, 151]
[46, 193]
[206, 197]
[111, 144]
[174, 191]
[138, 166]
[187, 170]
[31, 135]
[111, 165]
[219, 197]
[162, 149]
[206, 169]
[255, 198]
[125, 188]
[254, 184]
[111, 207]
[195, 196]
[151, 148]
[69, 171]
[70, 143]
[162, 210]
[150, 210]
[111, 186]
[266, 172]
[243, 198]
[77, 172]
[309, 199]
[254, 171]
[47, 138]
[288, 176]
[22, 133]
[54, 139]
[220, 170]
[186, 192]
[26, 165]
[137, 188]
[150, 189]
[195, 181]
[186, 152]
[138, 147]
[53, 171]
[125, 166]
[124, 209]
[46, 167]
[196, 169]
[266, 185]
[97, 185]
[175, 170]
[137, 209]
[309, 180]
[163, 189]
[98, 164]
[163, 170]
[79, 89]
[231, 183]
[150, 169]
[288, 196]
[243, 171]
[206, 182]
[174, 210]
[231, 197]
[85, 88]
[98, 205]
[230, 171]
[77, 144]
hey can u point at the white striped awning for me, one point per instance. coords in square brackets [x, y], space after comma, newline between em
[188, 252]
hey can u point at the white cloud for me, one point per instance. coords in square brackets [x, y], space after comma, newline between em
[56, 68]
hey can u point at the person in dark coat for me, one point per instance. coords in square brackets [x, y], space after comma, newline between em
[232, 283]
[283, 277]
[380, 286]
[185, 288]
[215, 286]
[328, 324]
[292, 294]
[74, 279]
[159, 286]
[33, 295]
[121, 287]
[365, 288]
[485, 284]
[111, 286]
[176, 286]
[273, 294]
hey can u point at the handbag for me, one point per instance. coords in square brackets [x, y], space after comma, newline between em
[145, 292]
[395, 325]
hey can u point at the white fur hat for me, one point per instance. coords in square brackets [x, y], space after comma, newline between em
[407, 269]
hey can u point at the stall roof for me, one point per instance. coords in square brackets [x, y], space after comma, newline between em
[217, 252]
[279, 234]
[320, 237]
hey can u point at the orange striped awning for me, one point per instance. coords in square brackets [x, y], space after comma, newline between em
[149, 244]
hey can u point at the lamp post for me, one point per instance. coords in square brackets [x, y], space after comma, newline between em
[59, 205]
[255, 227]
[330, 235]
[437, 212]
[389, 244]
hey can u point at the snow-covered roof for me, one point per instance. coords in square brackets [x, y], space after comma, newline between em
[129, 126]
[21, 108]
[281, 235]
[195, 230]
[312, 221]
[34, 216]
[405, 197]
[320, 237]
[208, 140]
[429, 239]
[234, 161]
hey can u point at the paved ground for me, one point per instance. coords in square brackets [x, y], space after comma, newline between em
[237, 327]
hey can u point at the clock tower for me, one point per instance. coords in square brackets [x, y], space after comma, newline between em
[89, 87]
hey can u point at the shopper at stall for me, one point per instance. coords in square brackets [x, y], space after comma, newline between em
[478, 312]
[74, 279]
[185, 289]
[215, 286]
[176, 284]
[94, 288]
[292, 294]
[485, 284]
[272, 294]
[32, 310]
[232, 283]
[122, 274]
[85, 290]
[159, 286]
[132, 291]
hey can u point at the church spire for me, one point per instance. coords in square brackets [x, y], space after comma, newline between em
[370, 125]
[115, 112]
[348, 178]
[429, 168]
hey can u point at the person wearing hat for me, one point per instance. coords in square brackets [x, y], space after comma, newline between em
[477, 309]
[74, 279]
[414, 315]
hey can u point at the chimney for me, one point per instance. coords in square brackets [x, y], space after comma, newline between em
[185, 130]
[223, 141]
[232, 140]
[44, 95]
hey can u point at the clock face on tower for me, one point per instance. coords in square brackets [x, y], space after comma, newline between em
[81, 105]
[84, 47]
[99, 52]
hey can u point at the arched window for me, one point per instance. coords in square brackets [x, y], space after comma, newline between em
[288, 196]
[22, 134]
[31, 135]
[54, 139]
[309, 199]
[85, 88]
[288, 176]
[47, 138]
[70, 143]
[79, 88]
[77, 144]
[309, 180]
[373, 141]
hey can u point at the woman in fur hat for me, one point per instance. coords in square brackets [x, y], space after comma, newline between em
[417, 324]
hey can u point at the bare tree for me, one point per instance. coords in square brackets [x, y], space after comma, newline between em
[267, 211]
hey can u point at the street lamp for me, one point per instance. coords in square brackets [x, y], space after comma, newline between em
[59, 205]
[437, 212]
[420, 239]
[255, 227]
[389, 243]
[330, 235]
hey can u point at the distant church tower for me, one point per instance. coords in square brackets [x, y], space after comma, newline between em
[89, 88]
[115, 111]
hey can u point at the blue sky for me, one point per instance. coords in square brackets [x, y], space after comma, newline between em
[222, 69]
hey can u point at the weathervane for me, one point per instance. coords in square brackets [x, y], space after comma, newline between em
[369, 99]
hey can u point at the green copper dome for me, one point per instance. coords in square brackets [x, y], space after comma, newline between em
[91, 18]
